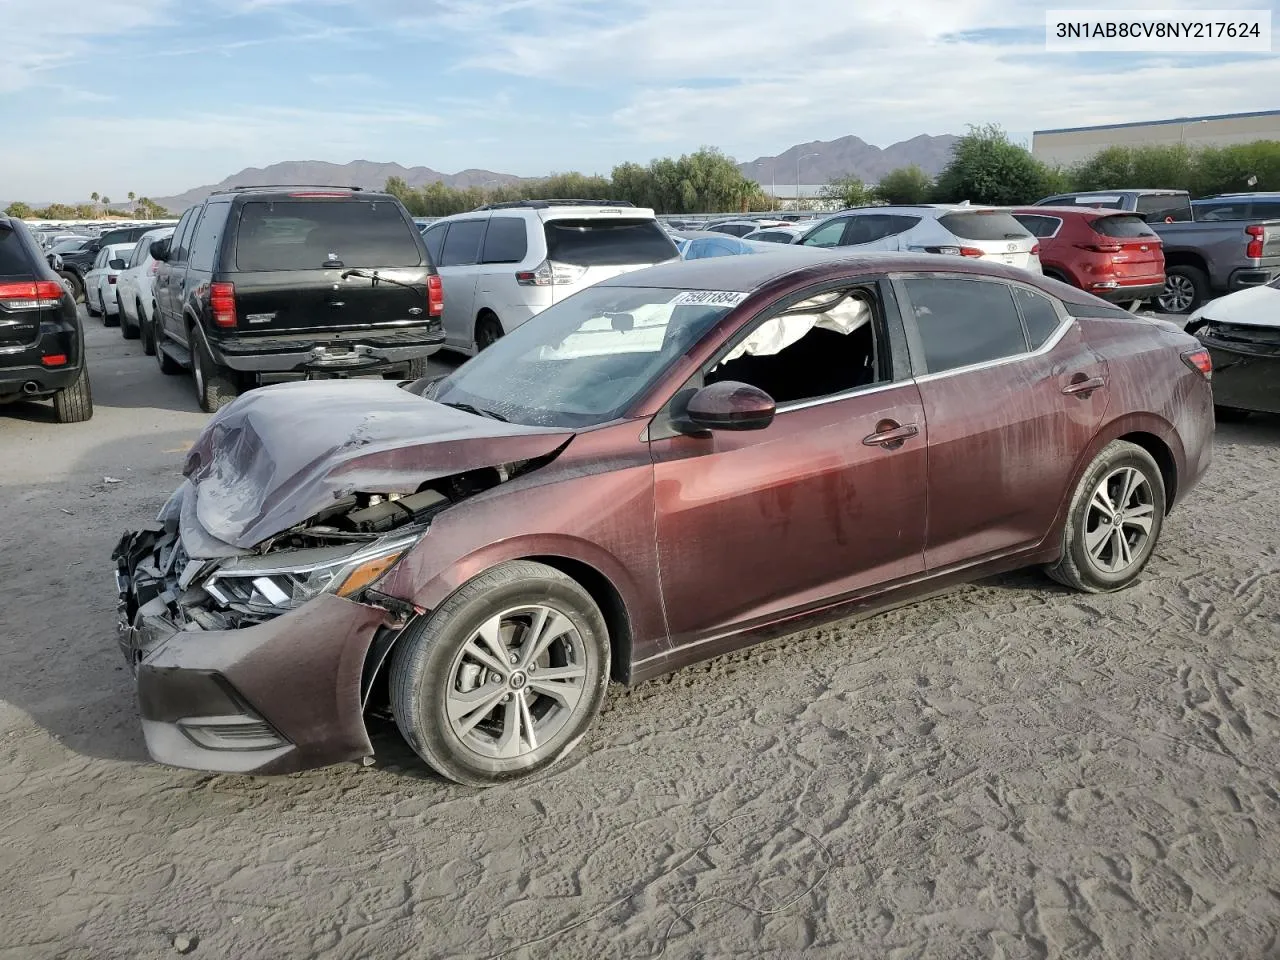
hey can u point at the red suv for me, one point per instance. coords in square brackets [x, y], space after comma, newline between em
[1112, 255]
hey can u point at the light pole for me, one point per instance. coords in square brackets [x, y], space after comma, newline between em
[798, 159]
[773, 174]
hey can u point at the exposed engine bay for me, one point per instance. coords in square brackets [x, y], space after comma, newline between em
[343, 549]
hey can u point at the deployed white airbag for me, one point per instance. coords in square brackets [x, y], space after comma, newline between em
[774, 336]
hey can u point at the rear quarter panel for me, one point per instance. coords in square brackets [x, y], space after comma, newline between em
[1153, 391]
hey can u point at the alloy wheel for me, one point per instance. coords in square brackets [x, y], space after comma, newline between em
[517, 682]
[1179, 293]
[1119, 520]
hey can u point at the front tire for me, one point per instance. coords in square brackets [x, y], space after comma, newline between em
[74, 404]
[504, 678]
[216, 386]
[1114, 522]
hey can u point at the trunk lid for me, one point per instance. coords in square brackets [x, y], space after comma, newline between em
[1141, 252]
[289, 257]
[20, 309]
[1000, 237]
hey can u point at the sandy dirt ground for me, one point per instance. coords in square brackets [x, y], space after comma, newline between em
[1009, 771]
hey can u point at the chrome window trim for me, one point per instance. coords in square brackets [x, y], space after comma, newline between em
[837, 397]
[1065, 321]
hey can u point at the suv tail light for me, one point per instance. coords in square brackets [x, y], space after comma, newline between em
[549, 273]
[30, 295]
[1100, 247]
[222, 304]
[1199, 361]
[955, 251]
[1254, 249]
[435, 296]
[1035, 250]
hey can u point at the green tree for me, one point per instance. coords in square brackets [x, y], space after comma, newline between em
[19, 210]
[906, 185]
[148, 209]
[848, 191]
[986, 167]
[94, 196]
[86, 211]
[106, 202]
[57, 211]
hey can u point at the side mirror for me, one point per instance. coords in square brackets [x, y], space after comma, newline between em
[117, 264]
[94, 246]
[159, 250]
[730, 405]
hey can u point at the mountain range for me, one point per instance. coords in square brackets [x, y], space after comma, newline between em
[358, 173]
[820, 161]
[825, 160]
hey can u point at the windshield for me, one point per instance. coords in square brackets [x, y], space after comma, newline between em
[69, 246]
[585, 360]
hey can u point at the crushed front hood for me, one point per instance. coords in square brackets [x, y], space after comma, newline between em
[1250, 307]
[279, 454]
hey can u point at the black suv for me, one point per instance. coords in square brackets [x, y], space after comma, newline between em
[322, 281]
[76, 265]
[41, 341]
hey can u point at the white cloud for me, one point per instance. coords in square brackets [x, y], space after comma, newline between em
[39, 39]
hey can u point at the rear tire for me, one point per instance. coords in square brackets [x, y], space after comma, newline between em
[89, 308]
[488, 331]
[1185, 288]
[145, 333]
[74, 404]
[216, 386]
[443, 666]
[1117, 512]
[130, 331]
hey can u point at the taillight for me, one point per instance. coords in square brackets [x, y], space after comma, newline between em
[222, 304]
[549, 273]
[1035, 251]
[1254, 248]
[1100, 247]
[1199, 361]
[435, 296]
[30, 295]
[955, 251]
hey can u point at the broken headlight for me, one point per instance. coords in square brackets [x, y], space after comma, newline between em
[282, 581]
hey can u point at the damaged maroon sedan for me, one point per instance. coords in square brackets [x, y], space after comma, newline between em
[666, 466]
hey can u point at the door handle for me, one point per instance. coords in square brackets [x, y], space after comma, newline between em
[891, 435]
[1080, 386]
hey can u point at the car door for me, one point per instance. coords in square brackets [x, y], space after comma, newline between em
[92, 279]
[459, 255]
[506, 244]
[165, 273]
[179, 259]
[825, 503]
[1012, 396]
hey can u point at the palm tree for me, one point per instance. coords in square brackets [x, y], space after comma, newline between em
[132, 196]
[94, 197]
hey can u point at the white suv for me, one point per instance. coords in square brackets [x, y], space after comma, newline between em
[984, 233]
[505, 262]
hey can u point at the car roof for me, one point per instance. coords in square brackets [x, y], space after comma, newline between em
[745, 274]
[301, 191]
[1077, 210]
[1218, 198]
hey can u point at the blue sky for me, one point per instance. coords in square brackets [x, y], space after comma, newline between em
[157, 96]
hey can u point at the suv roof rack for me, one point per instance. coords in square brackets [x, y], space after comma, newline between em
[290, 186]
[544, 204]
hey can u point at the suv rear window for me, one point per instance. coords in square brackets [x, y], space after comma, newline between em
[1162, 207]
[1122, 227]
[608, 243]
[13, 255]
[981, 225]
[304, 235]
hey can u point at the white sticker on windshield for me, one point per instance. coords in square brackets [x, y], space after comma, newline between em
[710, 298]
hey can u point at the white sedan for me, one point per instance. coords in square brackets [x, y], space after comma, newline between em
[100, 282]
[134, 290]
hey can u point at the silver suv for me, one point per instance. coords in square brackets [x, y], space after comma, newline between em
[983, 233]
[506, 262]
